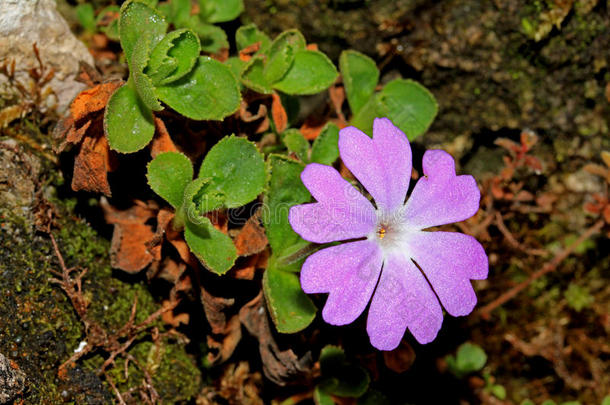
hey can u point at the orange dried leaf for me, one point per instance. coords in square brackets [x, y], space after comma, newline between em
[246, 116]
[278, 113]
[252, 238]
[91, 167]
[246, 53]
[161, 142]
[337, 97]
[139, 213]
[219, 220]
[245, 270]
[225, 346]
[75, 135]
[172, 319]
[311, 128]
[128, 249]
[92, 100]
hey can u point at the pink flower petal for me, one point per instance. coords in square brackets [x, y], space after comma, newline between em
[441, 197]
[381, 164]
[341, 211]
[403, 299]
[450, 260]
[348, 272]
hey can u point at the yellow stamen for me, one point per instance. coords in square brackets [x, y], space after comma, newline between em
[381, 232]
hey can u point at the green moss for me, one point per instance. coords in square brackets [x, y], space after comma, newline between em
[175, 375]
[40, 330]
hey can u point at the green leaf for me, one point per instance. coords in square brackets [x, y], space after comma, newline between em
[364, 118]
[325, 149]
[339, 376]
[236, 65]
[236, 169]
[128, 123]
[140, 22]
[173, 57]
[150, 3]
[290, 308]
[215, 11]
[208, 92]
[252, 75]
[409, 105]
[285, 189]
[360, 76]
[548, 402]
[247, 35]
[499, 391]
[214, 249]
[281, 54]
[213, 38]
[176, 11]
[310, 73]
[606, 400]
[322, 398]
[168, 175]
[201, 194]
[296, 143]
[142, 82]
[86, 17]
[469, 358]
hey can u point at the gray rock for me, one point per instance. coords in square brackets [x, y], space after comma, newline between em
[24, 23]
[18, 179]
[12, 380]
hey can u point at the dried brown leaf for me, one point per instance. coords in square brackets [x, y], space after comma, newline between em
[91, 166]
[278, 113]
[252, 237]
[92, 100]
[280, 366]
[161, 142]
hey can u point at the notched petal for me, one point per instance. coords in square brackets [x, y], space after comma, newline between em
[382, 164]
[450, 260]
[348, 272]
[440, 197]
[403, 299]
[341, 212]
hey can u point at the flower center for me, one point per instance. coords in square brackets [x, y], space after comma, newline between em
[391, 232]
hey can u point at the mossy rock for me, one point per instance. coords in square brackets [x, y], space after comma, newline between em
[39, 329]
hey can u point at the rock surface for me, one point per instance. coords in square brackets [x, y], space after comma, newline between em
[24, 23]
[12, 380]
[18, 177]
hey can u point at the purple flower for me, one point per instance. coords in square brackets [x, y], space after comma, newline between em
[387, 253]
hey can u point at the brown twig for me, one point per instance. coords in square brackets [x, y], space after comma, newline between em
[547, 268]
[513, 241]
[97, 338]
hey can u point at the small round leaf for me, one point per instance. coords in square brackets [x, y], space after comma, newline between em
[128, 123]
[208, 92]
[168, 175]
[236, 170]
[311, 72]
[409, 105]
